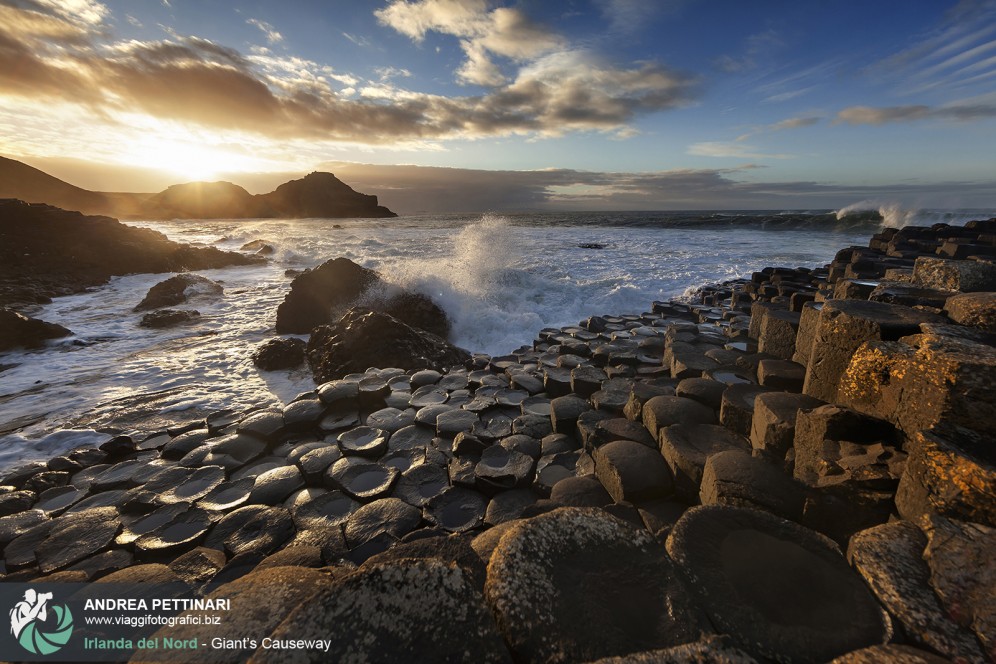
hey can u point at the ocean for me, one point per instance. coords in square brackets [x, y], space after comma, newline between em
[500, 278]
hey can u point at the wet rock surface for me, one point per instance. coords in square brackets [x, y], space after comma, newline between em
[563, 467]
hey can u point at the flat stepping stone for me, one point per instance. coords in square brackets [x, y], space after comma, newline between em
[230, 452]
[492, 426]
[663, 411]
[194, 486]
[314, 464]
[146, 524]
[632, 472]
[424, 377]
[420, 484]
[267, 424]
[428, 396]
[501, 468]
[450, 423]
[687, 447]
[183, 444]
[337, 420]
[706, 391]
[303, 414]
[118, 476]
[890, 559]
[427, 415]
[77, 536]
[620, 428]
[404, 459]
[536, 406]
[736, 478]
[528, 445]
[363, 441]
[410, 438]
[56, 500]
[13, 526]
[796, 597]
[454, 381]
[329, 510]
[227, 496]
[456, 509]
[391, 419]
[552, 469]
[565, 411]
[509, 505]
[115, 498]
[536, 426]
[580, 492]
[387, 516]
[274, 486]
[262, 533]
[563, 587]
[182, 532]
[365, 480]
[369, 620]
[509, 397]
[258, 467]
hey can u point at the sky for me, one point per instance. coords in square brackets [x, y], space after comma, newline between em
[472, 105]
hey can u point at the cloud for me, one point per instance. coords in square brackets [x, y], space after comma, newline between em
[980, 108]
[272, 36]
[46, 57]
[483, 33]
[734, 150]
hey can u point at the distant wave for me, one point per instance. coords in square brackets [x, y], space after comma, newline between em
[868, 216]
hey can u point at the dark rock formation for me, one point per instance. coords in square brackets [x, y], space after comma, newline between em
[362, 339]
[277, 354]
[19, 330]
[45, 251]
[169, 317]
[322, 294]
[320, 195]
[317, 294]
[176, 290]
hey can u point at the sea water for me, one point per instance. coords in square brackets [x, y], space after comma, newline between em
[500, 279]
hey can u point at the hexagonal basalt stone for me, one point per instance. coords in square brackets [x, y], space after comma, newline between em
[229, 452]
[509, 505]
[362, 480]
[428, 396]
[632, 472]
[456, 509]
[263, 532]
[274, 486]
[363, 441]
[266, 424]
[427, 415]
[227, 495]
[391, 419]
[577, 584]
[76, 536]
[57, 499]
[687, 447]
[450, 423]
[662, 411]
[501, 468]
[146, 524]
[420, 484]
[329, 510]
[387, 516]
[796, 598]
[194, 486]
[314, 464]
[182, 532]
[303, 414]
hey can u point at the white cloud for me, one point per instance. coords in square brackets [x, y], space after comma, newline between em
[272, 36]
